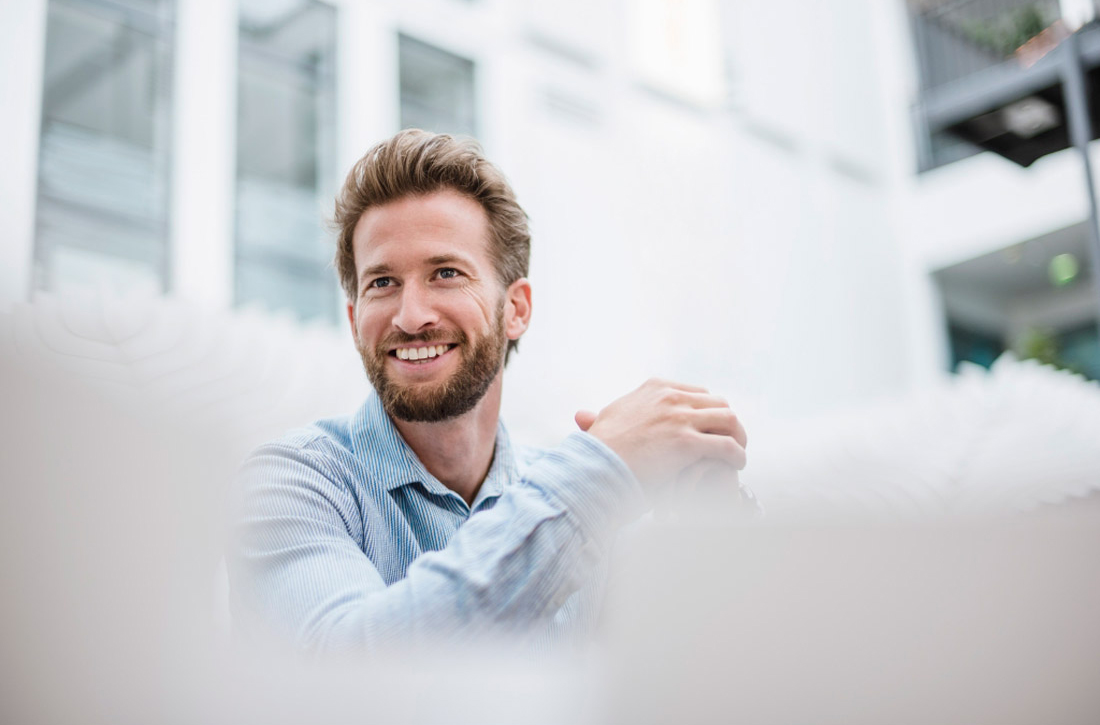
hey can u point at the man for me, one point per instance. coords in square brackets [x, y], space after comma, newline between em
[414, 521]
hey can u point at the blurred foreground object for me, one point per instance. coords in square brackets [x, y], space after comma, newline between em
[1012, 438]
[243, 377]
[967, 621]
[928, 559]
[120, 426]
[106, 546]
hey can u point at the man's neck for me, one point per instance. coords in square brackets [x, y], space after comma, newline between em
[459, 452]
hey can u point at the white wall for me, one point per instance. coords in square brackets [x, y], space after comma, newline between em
[749, 250]
[986, 203]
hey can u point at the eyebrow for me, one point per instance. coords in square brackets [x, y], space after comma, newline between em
[448, 259]
[382, 269]
[375, 270]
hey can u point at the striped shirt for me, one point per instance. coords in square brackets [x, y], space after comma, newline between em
[343, 541]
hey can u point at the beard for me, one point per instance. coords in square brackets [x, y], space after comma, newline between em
[447, 399]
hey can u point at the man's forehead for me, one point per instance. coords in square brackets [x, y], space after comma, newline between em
[433, 228]
[443, 210]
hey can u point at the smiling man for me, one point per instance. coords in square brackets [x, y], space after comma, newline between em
[415, 521]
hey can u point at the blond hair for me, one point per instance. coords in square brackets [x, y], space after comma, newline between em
[414, 163]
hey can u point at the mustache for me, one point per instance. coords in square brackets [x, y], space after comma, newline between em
[428, 336]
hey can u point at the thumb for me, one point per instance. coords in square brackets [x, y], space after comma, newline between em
[585, 419]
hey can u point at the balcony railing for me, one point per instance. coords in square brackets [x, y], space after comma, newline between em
[956, 39]
[991, 77]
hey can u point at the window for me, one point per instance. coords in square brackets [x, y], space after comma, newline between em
[437, 89]
[102, 213]
[1025, 298]
[285, 158]
[974, 346]
[1079, 350]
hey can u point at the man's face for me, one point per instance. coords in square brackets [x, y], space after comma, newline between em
[431, 320]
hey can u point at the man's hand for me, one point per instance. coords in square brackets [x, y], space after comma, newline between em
[663, 428]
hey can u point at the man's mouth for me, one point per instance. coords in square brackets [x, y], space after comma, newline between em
[421, 352]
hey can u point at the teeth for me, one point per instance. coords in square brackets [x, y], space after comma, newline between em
[420, 353]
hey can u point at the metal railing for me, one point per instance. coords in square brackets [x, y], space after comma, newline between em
[958, 38]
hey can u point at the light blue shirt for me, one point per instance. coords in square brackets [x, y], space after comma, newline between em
[343, 541]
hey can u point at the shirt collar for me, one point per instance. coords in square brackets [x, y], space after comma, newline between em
[392, 463]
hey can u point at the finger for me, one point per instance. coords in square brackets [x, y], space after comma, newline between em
[719, 447]
[702, 400]
[719, 421]
[584, 419]
[672, 384]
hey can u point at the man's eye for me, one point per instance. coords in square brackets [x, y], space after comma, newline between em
[381, 282]
[448, 273]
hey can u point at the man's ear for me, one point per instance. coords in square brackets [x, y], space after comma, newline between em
[517, 308]
[351, 323]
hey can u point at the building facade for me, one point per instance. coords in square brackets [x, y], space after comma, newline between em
[719, 192]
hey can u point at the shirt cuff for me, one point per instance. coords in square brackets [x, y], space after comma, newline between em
[593, 484]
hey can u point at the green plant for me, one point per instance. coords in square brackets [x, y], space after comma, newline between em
[1005, 33]
[1042, 345]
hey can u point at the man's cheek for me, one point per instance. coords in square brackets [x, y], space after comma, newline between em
[483, 302]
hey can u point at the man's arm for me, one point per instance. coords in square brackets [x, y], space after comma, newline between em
[296, 563]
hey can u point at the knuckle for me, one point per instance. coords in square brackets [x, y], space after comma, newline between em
[682, 436]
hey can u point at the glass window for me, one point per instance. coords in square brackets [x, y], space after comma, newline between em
[102, 211]
[437, 89]
[285, 157]
[1074, 348]
[1021, 298]
[971, 345]
[1080, 350]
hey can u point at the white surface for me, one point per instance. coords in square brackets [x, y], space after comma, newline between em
[964, 621]
[1010, 439]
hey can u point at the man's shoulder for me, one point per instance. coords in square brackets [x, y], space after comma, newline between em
[324, 436]
[325, 445]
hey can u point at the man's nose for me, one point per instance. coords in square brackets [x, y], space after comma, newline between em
[416, 312]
